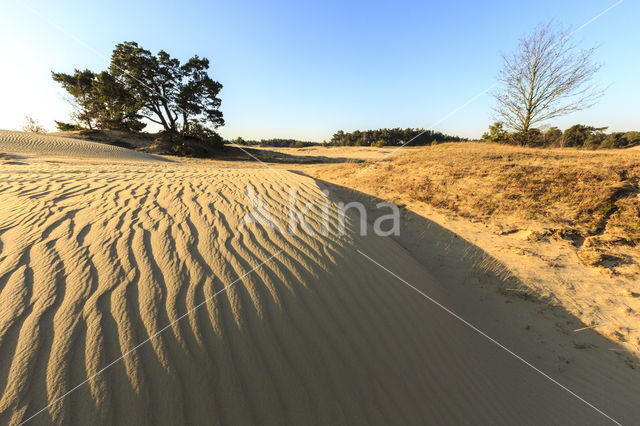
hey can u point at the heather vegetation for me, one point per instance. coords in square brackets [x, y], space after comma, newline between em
[576, 194]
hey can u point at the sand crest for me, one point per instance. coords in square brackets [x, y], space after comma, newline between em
[49, 145]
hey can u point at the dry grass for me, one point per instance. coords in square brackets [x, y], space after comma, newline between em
[580, 194]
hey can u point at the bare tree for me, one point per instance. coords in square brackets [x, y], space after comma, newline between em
[545, 78]
[32, 125]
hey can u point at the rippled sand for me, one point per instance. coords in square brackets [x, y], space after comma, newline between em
[107, 263]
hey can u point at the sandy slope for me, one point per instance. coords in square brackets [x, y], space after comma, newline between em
[96, 257]
[43, 144]
[564, 221]
[351, 152]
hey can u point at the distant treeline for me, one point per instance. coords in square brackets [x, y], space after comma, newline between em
[278, 143]
[580, 136]
[391, 137]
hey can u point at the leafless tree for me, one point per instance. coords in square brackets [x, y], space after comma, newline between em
[32, 125]
[545, 78]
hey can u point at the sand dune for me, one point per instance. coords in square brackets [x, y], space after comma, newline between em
[95, 258]
[43, 144]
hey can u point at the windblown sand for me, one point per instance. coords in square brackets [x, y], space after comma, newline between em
[103, 254]
[43, 145]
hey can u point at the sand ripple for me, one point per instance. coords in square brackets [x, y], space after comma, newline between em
[43, 144]
[95, 259]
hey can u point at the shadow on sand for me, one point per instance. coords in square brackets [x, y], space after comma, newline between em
[484, 292]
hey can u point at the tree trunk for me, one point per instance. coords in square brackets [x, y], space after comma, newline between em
[185, 124]
[172, 121]
[164, 122]
[156, 110]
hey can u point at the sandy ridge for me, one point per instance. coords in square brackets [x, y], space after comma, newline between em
[43, 144]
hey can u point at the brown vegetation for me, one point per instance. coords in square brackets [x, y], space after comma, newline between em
[588, 197]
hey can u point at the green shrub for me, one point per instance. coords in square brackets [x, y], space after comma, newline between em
[65, 127]
[632, 137]
[198, 131]
[496, 133]
[552, 137]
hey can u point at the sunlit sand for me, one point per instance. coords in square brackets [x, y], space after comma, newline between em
[102, 248]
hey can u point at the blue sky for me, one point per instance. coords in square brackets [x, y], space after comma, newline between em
[303, 70]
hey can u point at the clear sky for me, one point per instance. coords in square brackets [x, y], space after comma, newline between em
[303, 70]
